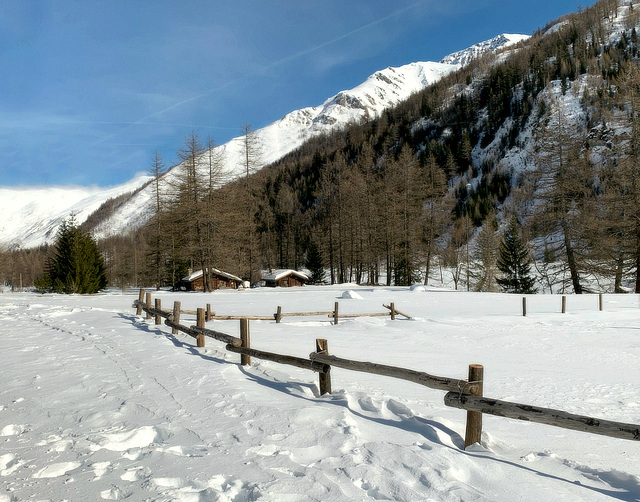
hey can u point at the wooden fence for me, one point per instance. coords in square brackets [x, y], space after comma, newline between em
[563, 304]
[144, 302]
[462, 394]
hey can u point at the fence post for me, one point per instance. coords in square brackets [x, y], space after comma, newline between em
[245, 336]
[473, 432]
[176, 316]
[148, 305]
[324, 378]
[158, 307]
[524, 306]
[279, 314]
[209, 314]
[393, 311]
[335, 313]
[600, 301]
[200, 320]
[564, 304]
[140, 299]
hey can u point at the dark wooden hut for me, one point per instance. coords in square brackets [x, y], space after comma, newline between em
[285, 278]
[219, 280]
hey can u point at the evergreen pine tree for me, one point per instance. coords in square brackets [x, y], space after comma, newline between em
[485, 257]
[76, 266]
[315, 265]
[515, 263]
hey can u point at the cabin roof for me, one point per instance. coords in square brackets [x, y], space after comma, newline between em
[198, 273]
[276, 275]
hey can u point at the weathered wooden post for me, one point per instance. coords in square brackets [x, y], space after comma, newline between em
[473, 432]
[393, 311]
[140, 299]
[600, 301]
[209, 313]
[148, 305]
[524, 306]
[564, 304]
[335, 313]
[200, 320]
[158, 304]
[176, 316]
[245, 336]
[324, 381]
[278, 315]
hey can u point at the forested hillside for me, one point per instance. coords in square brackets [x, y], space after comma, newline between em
[546, 133]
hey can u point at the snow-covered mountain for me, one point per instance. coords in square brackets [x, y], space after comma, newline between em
[465, 56]
[31, 216]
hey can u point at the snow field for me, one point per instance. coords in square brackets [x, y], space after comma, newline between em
[98, 404]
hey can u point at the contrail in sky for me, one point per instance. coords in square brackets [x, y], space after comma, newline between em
[288, 59]
[280, 62]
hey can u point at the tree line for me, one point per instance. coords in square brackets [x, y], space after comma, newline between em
[432, 187]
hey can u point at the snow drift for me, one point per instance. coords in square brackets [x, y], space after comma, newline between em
[98, 404]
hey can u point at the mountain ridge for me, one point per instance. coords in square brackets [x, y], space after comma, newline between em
[31, 218]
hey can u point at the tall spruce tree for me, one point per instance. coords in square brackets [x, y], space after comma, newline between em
[251, 162]
[566, 189]
[485, 257]
[514, 262]
[315, 265]
[158, 251]
[76, 265]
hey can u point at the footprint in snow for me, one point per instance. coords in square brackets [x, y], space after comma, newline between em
[12, 430]
[367, 404]
[399, 409]
[57, 470]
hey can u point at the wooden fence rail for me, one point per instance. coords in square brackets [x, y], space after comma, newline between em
[546, 416]
[419, 377]
[461, 394]
[158, 311]
[239, 317]
[299, 362]
[336, 315]
[217, 335]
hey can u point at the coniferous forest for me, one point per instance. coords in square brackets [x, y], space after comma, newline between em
[541, 142]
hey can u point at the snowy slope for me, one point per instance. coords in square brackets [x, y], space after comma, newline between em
[464, 57]
[97, 404]
[521, 157]
[31, 216]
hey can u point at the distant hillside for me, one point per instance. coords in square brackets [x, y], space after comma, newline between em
[393, 185]
[546, 133]
[32, 215]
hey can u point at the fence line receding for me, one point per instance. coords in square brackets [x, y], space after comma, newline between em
[462, 394]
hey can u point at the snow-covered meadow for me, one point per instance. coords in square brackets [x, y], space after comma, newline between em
[99, 404]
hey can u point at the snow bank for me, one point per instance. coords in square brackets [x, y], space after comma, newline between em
[97, 403]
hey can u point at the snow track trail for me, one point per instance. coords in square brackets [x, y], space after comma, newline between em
[99, 404]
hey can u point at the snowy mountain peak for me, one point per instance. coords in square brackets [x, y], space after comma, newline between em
[31, 216]
[465, 56]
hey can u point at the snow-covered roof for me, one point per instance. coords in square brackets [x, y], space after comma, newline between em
[276, 275]
[198, 273]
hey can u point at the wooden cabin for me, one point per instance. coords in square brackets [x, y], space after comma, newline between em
[285, 278]
[219, 280]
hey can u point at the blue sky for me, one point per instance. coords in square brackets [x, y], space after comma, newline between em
[90, 89]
